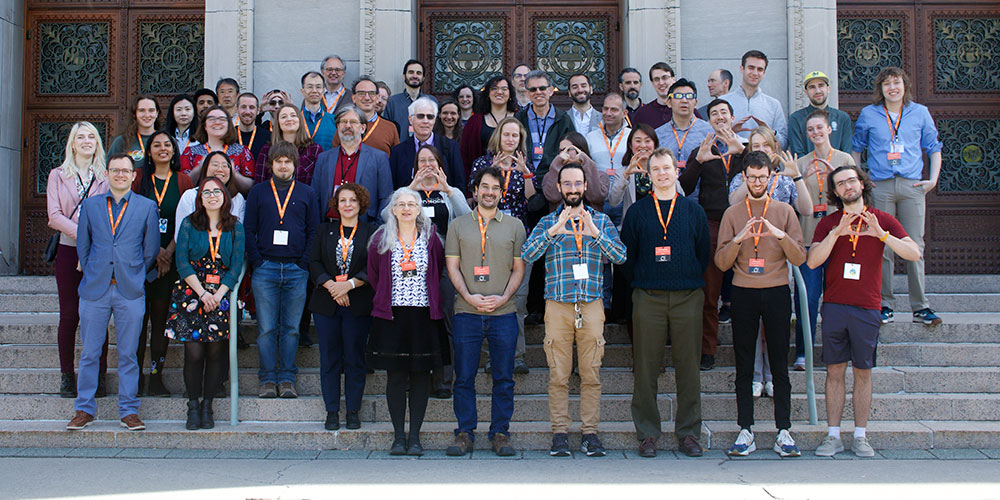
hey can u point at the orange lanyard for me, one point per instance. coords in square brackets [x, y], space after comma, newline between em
[506, 180]
[329, 109]
[482, 233]
[680, 140]
[316, 128]
[431, 190]
[239, 137]
[726, 160]
[345, 243]
[142, 146]
[760, 226]
[213, 246]
[659, 213]
[893, 130]
[617, 142]
[374, 126]
[821, 178]
[578, 235]
[855, 237]
[114, 223]
[407, 250]
[159, 195]
[282, 206]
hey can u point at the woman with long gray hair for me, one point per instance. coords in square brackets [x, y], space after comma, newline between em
[405, 261]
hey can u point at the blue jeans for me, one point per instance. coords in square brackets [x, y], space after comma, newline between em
[814, 288]
[280, 291]
[342, 340]
[468, 332]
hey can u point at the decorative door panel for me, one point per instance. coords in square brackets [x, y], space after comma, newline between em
[465, 47]
[167, 51]
[869, 40]
[564, 43]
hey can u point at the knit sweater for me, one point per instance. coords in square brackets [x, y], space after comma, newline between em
[775, 252]
[687, 237]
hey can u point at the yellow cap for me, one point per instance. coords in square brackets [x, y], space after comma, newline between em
[813, 75]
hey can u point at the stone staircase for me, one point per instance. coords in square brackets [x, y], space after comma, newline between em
[935, 388]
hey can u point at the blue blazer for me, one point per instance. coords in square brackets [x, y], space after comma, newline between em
[403, 156]
[372, 173]
[130, 253]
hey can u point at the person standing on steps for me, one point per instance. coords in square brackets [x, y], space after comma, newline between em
[850, 241]
[574, 239]
[117, 243]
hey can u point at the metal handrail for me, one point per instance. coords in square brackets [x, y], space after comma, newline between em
[234, 369]
[807, 339]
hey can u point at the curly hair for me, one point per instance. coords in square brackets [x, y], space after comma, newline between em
[364, 200]
[866, 190]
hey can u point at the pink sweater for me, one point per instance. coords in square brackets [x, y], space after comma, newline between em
[61, 196]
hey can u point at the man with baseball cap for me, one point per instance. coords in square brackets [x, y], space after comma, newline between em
[817, 89]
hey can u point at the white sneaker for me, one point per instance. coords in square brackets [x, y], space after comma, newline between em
[756, 388]
[769, 389]
[784, 445]
[800, 364]
[744, 444]
[829, 447]
[862, 448]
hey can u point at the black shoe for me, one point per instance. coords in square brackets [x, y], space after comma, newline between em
[194, 417]
[592, 446]
[102, 386]
[332, 421]
[560, 445]
[207, 416]
[520, 367]
[414, 449]
[353, 420]
[241, 343]
[156, 387]
[398, 447]
[724, 316]
[442, 393]
[304, 340]
[67, 386]
[707, 362]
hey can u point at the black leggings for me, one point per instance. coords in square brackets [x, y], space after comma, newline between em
[396, 385]
[203, 368]
[155, 321]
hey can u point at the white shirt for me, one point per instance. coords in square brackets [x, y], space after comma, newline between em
[185, 207]
[583, 122]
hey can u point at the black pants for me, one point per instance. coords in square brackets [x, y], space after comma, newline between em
[773, 307]
[396, 385]
[204, 364]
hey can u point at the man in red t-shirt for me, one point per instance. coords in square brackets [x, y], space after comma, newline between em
[851, 241]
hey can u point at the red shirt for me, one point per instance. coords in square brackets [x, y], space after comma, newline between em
[865, 292]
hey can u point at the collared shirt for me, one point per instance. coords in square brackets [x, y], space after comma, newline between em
[183, 139]
[762, 106]
[691, 136]
[785, 191]
[513, 200]
[917, 133]
[561, 255]
[334, 98]
[117, 206]
[538, 129]
[504, 238]
[583, 122]
[417, 143]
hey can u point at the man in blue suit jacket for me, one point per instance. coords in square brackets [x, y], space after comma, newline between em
[355, 162]
[402, 157]
[117, 243]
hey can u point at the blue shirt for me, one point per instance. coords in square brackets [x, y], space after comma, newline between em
[561, 255]
[691, 137]
[916, 132]
[539, 128]
[327, 129]
[762, 106]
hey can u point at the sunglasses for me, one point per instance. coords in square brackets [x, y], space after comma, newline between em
[424, 116]
[542, 88]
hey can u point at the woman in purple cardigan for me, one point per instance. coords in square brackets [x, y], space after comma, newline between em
[404, 267]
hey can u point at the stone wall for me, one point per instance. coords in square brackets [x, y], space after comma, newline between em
[11, 57]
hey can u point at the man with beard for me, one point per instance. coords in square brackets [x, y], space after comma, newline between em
[574, 239]
[684, 132]
[719, 83]
[851, 241]
[817, 88]
[250, 135]
[757, 241]
[379, 133]
[630, 83]
[585, 118]
[668, 251]
[751, 106]
[483, 254]
[396, 108]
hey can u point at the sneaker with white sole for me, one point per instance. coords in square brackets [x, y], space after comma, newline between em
[862, 448]
[800, 364]
[744, 444]
[887, 316]
[927, 317]
[784, 445]
[830, 447]
[769, 389]
[756, 388]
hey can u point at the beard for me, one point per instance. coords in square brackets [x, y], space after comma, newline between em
[852, 198]
[581, 98]
[572, 200]
[818, 103]
[632, 95]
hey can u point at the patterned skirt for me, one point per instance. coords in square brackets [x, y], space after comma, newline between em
[186, 321]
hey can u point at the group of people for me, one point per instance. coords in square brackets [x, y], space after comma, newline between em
[410, 228]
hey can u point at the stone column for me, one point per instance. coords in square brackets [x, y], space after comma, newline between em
[654, 34]
[229, 41]
[11, 104]
[808, 52]
[387, 39]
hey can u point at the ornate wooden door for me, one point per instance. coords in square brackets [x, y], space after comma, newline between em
[85, 61]
[951, 50]
[472, 41]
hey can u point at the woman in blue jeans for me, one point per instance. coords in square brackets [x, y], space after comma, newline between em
[342, 302]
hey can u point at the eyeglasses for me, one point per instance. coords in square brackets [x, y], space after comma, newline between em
[520, 76]
[209, 193]
[683, 95]
[424, 116]
[334, 70]
[571, 185]
[758, 178]
[407, 205]
[120, 171]
[541, 88]
[344, 123]
[849, 180]
[215, 118]
[369, 93]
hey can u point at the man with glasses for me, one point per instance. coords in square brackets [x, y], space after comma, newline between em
[319, 124]
[684, 132]
[630, 84]
[757, 239]
[851, 241]
[545, 124]
[657, 112]
[397, 108]
[422, 114]
[353, 161]
[379, 133]
[520, 91]
[574, 240]
[335, 95]
[118, 240]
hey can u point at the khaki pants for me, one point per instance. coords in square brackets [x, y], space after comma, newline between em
[560, 333]
[900, 199]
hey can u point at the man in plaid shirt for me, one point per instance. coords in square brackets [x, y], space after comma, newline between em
[574, 239]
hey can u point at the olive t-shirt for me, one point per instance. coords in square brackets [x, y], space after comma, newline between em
[504, 237]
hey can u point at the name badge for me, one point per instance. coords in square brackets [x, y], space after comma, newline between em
[580, 272]
[852, 271]
[428, 212]
[819, 211]
[895, 154]
[340, 277]
[280, 237]
[163, 226]
[611, 172]
[481, 274]
[538, 151]
[681, 164]
[409, 268]
[756, 266]
[662, 254]
[213, 279]
[410, 129]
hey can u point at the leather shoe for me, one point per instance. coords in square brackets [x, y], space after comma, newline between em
[398, 447]
[353, 420]
[102, 387]
[207, 415]
[67, 386]
[689, 446]
[286, 390]
[332, 421]
[414, 449]
[132, 423]
[647, 448]
[80, 420]
[193, 416]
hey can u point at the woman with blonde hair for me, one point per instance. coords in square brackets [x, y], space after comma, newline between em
[82, 174]
[508, 151]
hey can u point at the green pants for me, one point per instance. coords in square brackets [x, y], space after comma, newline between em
[657, 315]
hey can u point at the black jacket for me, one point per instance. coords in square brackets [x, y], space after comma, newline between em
[323, 267]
